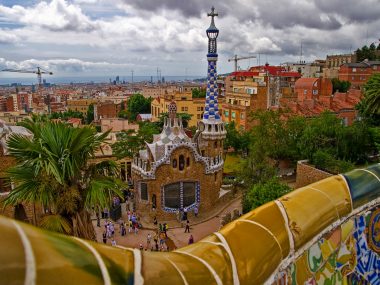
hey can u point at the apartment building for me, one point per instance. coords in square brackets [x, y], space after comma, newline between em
[185, 104]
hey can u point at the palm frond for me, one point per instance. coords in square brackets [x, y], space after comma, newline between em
[30, 187]
[100, 192]
[56, 223]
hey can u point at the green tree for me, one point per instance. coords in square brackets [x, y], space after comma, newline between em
[257, 167]
[264, 192]
[67, 115]
[320, 133]
[232, 137]
[198, 93]
[340, 86]
[54, 169]
[137, 104]
[366, 53]
[235, 139]
[90, 114]
[269, 133]
[129, 142]
[371, 100]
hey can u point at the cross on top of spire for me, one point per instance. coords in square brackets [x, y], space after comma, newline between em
[212, 14]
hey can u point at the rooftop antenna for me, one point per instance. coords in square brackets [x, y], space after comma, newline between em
[132, 78]
[301, 53]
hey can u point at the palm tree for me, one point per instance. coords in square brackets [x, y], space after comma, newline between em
[371, 100]
[54, 169]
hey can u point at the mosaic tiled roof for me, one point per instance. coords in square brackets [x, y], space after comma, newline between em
[171, 134]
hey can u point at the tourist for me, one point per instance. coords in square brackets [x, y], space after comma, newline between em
[123, 230]
[160, 227]
[191, 239]
[109, 232]
[185, 214]
[156, 245]
[155, 221]
[112, 228]
[106, 213]
[141, 246]
[148, 239]
[187, 229]
[130, 226]
[136, 228]
[113, 242]
[97, 219]
[165, 227]
[104, 237]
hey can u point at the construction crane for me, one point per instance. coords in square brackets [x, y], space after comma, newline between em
[39, 73]
[236, 59]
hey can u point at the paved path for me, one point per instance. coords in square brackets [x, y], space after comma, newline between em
[203, 229]
[200, 227]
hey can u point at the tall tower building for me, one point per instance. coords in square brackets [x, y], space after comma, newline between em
[211, 127]
[175, 172]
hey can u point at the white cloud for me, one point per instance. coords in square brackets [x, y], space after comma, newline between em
[8, 37]
[58, 15]
[63, 66]
[171, 34]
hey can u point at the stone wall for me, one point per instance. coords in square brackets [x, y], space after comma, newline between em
[307, 174]
[33, 214]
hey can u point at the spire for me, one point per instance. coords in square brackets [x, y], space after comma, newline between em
[211, 106]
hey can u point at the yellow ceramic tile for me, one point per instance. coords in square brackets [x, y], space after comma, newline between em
[255, 250]
[269, 216]
[12, 256]
[311, 209]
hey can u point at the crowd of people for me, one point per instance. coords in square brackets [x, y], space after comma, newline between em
[132, 224]
[155, 241]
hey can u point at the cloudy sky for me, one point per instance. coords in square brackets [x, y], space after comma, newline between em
[104, 37]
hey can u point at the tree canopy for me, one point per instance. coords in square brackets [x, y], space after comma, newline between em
[129, 142]
[198, 93]
[137, 104]
[371, 100]
[54, 169]
[90, 114]
[367, 53]
[66, 115]
[264, 192]
[340, 86]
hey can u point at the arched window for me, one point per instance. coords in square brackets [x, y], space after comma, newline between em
[181, 162]
[174, 163]
[188, 161]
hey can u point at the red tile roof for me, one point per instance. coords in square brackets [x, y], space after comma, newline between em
[244, 73]
[274, 70]
[305, 83]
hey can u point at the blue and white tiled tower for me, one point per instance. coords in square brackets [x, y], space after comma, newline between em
[212, 125]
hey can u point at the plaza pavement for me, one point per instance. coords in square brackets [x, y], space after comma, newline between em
[200, 227]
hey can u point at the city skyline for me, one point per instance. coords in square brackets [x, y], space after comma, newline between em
[96, 38]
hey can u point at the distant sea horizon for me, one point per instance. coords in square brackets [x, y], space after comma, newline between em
[90, 79]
